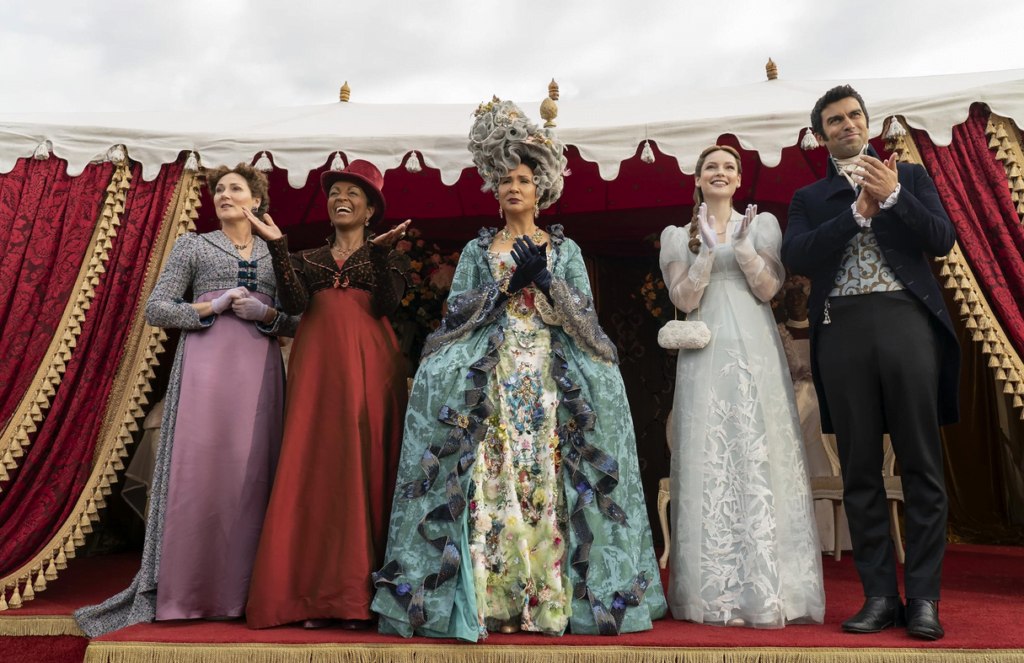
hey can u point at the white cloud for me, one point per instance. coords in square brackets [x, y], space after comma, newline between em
[63, 55]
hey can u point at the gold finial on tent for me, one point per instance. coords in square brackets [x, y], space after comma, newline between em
[345, 93]
[772, 70]
[548, 107]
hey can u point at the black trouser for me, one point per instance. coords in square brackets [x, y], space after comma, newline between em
[879, 363]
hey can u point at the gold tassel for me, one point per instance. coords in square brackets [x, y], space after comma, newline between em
[986, 348]
[69, 547]
[1020, 388]
[1006, 363]
[1000, 374]
[993, 361]
[15, 597]
[40, 585]
[1017, 402]
[3, 599]
[51, 571]
[62, 560]
[971, 323]
[1008, 387]
[77, 536]
[965, 309]
[28, 594]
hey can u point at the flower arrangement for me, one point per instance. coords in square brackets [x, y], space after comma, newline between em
[422, 307]
[653, 292]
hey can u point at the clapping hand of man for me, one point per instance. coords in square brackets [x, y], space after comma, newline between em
[878, 180]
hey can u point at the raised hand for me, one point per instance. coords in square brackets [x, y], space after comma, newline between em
[743, 229]
[393, 235]
[227, 298]
[249, 308]
[876, 177]
[265, 228]
[705, 226]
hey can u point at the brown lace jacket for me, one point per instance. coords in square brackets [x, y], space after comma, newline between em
[380, 271]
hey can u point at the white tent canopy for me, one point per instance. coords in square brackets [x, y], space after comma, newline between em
[765, 117]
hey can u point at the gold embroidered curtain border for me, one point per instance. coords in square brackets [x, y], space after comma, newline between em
[17, 434]
[985, 328]
[145, 652]
[125, 405]
[1004, 140]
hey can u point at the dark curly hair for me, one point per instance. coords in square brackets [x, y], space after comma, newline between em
[259, 185]
[837, 93]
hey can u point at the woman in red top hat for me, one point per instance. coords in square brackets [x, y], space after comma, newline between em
[326, 526]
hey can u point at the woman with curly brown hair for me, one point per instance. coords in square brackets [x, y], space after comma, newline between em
[744, 545]
[221, 431]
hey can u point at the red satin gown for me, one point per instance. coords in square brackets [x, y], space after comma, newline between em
[326, 526]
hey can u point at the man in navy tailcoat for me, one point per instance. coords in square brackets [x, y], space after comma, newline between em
[884, 356]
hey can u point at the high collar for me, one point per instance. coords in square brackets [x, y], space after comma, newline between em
[837, 184]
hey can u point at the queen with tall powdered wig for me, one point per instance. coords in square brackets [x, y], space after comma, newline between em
[519, 504]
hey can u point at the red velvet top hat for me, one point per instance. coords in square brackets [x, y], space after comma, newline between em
[366, 175]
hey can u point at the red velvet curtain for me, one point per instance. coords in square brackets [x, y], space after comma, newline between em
[44, 489]
[976, 195]
[46, 221]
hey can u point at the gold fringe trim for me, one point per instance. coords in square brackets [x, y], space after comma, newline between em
[41, 625]
[1004, 140]
[17, 434]
[957, 274]
[146, 652]
[125, 405]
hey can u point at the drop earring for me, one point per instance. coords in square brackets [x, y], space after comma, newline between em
[501, 212]
[536, 210]
[255, 208]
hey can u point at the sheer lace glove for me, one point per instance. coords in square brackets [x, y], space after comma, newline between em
[531, 265]
[249, 308]
[742, 231]
[222, 303]
[705, 225]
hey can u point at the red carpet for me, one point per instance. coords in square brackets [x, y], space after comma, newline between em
[982, 608]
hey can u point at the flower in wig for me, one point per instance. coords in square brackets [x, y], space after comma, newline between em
[502, 137]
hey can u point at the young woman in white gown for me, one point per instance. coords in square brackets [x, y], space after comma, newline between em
[745, 547]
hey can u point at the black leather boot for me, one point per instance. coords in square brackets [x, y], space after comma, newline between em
[923, 619]
[878, 612]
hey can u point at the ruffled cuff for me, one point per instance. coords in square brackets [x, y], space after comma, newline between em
[466, 312]
[574, 312]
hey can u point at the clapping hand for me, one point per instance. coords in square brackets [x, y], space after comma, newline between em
[743, 229]
[531, 265]
[878, 178]
[705, 226]
[393, 235]
[227, 298]
[265, 228]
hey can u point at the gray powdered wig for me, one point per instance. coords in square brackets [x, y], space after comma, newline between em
[502, 136]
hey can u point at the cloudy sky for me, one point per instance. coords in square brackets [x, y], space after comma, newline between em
[138, 55]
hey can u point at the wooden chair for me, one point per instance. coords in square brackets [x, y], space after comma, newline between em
[663, 498]
[831, 488]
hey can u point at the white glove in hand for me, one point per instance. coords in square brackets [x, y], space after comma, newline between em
[706, 227]
[249, 308]
[743, 229]
[221, 304]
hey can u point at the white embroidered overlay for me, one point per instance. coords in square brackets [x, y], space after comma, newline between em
[744, 543]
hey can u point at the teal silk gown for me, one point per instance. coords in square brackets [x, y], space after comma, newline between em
[519, 496]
